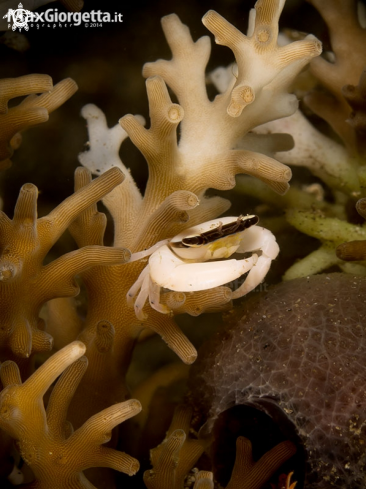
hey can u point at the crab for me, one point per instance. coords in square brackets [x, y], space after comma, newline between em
[195, 260]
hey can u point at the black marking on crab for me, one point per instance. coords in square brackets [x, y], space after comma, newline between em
[220, 231]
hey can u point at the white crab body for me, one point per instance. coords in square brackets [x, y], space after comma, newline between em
[196, 260]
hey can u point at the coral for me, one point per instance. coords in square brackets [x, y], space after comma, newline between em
[354, 250]
[299, 350]
[258, 56]
[184, 75]
[324, 157]
[340, 102]
[177, 454]
[25, 283]
[197, 142]
[180, 172]
[203, 480]
[326, 220]
[248, 474]
[32, 110]
[56, 454]
[356, 98]
[347, 37]
[286, 481]
[331, 231]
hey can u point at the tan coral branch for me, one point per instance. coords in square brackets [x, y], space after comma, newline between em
[23, 85]
[248, 474]
[204, 480]
[24, 280]
[347, 39]
[32, 110]
[57, 456]
[176, 455]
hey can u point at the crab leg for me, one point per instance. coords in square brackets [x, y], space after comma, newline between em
[154, 298]
[142, 298]
[254, 278]
[131, 294]
[143, 254]
[173, 273]
[258, 238]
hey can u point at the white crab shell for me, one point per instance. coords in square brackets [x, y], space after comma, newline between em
[220, 248]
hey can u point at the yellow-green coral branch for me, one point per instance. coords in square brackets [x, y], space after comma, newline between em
[324, 228]
[315, 262]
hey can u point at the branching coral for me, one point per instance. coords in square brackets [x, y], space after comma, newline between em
[340, 167]
[332, 232]
[347, 37]
[325, 158]
[259, 58]
[192, 146]
[203, 480]
[176, 456]
[32, 110]
[248, 474]
[356, 98]
[321, 219]
[46, 440]
[180, 172]
[107, 296]
[25, 283]
[183, 76]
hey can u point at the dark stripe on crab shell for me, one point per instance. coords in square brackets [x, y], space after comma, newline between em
[220, 231]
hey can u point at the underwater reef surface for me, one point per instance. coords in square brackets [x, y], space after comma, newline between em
[298, 353]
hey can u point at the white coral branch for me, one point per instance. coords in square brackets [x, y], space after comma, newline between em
[324, 157]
